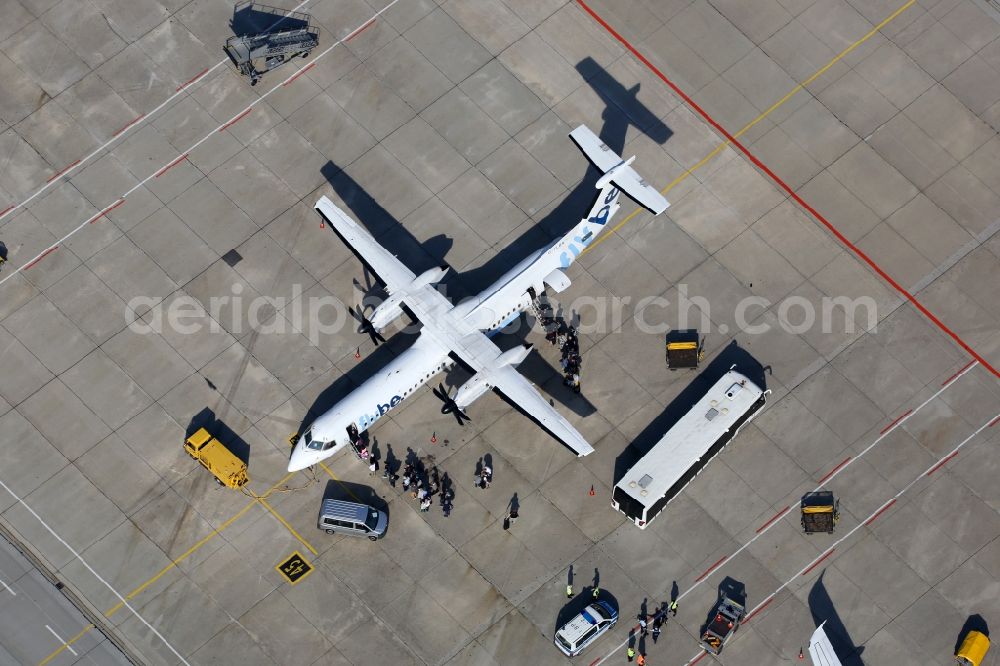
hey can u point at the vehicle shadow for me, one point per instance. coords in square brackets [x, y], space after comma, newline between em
[349, 491]
[584, 598]
[732, 354]
[219, 430]
[249, 19]
[973, 623]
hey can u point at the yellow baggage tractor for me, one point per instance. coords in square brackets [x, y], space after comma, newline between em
[820, 512]
[228, 469]
[973, 649]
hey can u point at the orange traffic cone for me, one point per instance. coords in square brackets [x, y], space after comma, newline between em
[802, 657]
[591, 493]
[357, 354]
[434, 439]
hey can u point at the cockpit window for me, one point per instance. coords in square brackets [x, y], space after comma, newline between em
[329, 445]
[310, 442]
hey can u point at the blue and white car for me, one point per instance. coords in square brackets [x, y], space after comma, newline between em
[574, 636]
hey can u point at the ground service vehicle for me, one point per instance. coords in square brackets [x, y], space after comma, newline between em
[352, 519]
[973, 649]
[725, 621]
[687, 447]
[574, 636]
[820, 512]
[683, 349]
[227, 468]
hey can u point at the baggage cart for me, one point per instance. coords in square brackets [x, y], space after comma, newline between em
[684, 349]
[820, 512]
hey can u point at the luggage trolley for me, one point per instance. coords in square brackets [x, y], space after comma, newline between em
[684, 349]
[291, 35]
[820, 512]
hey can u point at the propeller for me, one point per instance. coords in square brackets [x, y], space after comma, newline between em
[365, 326]
[450, 406]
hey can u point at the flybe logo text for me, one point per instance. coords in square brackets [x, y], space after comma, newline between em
[602, 215]
[381, 409]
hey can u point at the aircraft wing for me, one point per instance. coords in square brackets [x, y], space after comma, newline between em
[518, 391]
[389, 270]
[821, 649]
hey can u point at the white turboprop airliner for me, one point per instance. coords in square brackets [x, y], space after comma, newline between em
[461, 332]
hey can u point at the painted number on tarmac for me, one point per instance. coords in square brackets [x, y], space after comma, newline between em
[295, 568]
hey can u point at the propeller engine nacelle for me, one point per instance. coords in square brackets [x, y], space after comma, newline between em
[392, 308]
[387, 312]
[479, 384]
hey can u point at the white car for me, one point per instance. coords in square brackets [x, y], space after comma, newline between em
[574, 636]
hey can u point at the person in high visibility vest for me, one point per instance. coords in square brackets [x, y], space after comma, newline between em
[630, 653]
[673, 608]
[569, 591]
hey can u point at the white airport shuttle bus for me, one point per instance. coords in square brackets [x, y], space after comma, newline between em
[686, 448]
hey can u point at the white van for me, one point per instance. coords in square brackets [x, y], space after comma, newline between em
[352, 519]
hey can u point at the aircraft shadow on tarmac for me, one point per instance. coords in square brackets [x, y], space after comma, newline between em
[622, 109]
[823, 610]
[730, 355]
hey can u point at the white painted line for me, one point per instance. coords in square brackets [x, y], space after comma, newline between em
[96, 575]
[874, 514]
[220, 128]
[64, 643]
[847, 463]
[7, 587]
[136, 122]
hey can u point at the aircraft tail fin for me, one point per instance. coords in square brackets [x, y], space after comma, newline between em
[618, 171]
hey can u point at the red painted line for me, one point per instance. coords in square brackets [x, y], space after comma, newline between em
[41, 256]
[359, 30]
[595, 661]
[190, 81]
[299, 73]
[235, 120]
[820, 559]
[130, 123]
[107, 210]
[776, 517]
[954, 376]
[791, 193]
[697, 659]
[893, 424]
[835, 469]
[171, 165]
[63, 171]
[879, 513]
[941, 464]
[994, 422]
[757, 610]
[7, 210]
[712, 568]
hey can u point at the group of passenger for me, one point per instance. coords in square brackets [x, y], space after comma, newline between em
[558, 332]
[571, 361]
[423, 487]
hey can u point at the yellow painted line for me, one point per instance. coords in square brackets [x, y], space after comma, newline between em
[722, 146]
[55, 653]
[288, 526]
[173, 564]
